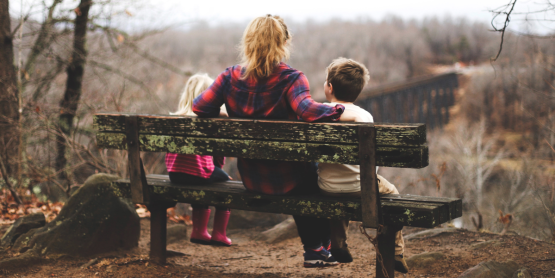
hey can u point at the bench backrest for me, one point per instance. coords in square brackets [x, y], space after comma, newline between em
[365, 144]
[397, 145]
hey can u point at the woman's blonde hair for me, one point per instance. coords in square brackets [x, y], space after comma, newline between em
[196, 84]
[264, 45]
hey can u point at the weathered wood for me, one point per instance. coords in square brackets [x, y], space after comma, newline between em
[389, 156]
[158, 230]
[386, 246]
[293, 131]
[233, 195]
[371, 208]
[454, 204]
[139, 187]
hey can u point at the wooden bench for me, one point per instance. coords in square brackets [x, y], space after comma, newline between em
[365, 144]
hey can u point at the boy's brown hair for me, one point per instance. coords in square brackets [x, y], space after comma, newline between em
[348, 78]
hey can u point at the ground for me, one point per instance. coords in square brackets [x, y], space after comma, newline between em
[250, 258]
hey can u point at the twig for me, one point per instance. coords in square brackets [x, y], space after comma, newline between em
[549, 145]
[89, 263]
[126, 76]
[238, 258]
[8, 183]
[505, 25]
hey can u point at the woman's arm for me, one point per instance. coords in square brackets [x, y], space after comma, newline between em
[306, 108]
[208, 103]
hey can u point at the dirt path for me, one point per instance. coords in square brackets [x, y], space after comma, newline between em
[249, 258]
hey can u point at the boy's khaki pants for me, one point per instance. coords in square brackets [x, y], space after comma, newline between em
[339, 228]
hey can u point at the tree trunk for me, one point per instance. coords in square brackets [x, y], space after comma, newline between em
[72, 94]
[9, 98]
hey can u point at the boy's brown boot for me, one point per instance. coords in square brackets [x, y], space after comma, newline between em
[401, 264]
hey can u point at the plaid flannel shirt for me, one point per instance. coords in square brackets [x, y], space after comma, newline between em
[283, 95]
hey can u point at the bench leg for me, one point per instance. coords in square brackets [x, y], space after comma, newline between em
[158, 231]
[386, 246]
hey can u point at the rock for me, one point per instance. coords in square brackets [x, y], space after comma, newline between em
[22, 242]
[176, 233]
[486, 244]
[94, 220]
[280, 232]
[424, 259]
[491, 269]
[431, 233]
[522, 273]
[22, 226]
[24, 260]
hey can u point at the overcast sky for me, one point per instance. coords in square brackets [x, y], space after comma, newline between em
[171, 12]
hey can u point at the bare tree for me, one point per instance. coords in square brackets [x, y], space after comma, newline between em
[9, 98]
[70, 101]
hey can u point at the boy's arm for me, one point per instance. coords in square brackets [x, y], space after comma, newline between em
[350, 116]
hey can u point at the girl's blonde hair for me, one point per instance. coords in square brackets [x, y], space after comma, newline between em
[196, 84]
[264, 45]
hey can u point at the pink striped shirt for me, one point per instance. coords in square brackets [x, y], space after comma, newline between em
[196, 165]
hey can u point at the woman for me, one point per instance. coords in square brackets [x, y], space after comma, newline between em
[263, 87]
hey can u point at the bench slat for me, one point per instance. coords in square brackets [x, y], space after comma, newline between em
[389, 156]
[295, 131]
[233, 195]
[455, 205]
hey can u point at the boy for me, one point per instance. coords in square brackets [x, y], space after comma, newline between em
[344, 81]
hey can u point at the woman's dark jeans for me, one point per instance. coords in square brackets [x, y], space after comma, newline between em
[217, 176]
[314, 232]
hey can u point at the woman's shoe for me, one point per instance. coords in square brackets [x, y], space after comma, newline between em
[219, 232]
[200, 220]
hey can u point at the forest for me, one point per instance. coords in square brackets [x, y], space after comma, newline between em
[496, 153]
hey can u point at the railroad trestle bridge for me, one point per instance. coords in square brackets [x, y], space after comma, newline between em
[419, 100]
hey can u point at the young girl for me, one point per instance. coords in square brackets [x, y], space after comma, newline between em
[263, 87]
[200, 169]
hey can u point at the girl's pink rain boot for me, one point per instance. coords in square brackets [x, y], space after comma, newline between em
[220, 224]
[200, 220]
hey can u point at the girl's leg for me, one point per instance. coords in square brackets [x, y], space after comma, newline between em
[221, 219]
[218, 175]
[182, 178]
[201, 215]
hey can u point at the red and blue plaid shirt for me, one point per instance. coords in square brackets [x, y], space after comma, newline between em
[283, 95]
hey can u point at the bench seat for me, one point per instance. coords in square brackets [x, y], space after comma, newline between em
[399, 210]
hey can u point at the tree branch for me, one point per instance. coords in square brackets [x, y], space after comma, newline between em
[498, 12]
[8, 183]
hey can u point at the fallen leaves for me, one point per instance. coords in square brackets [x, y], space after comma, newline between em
[10, 211]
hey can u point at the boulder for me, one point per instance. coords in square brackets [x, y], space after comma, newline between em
[94, 220]
[491, 269]
[280, 232]
[522, 273]
[176, 233]
[22, 226]
[424, 259]
[22, 242]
